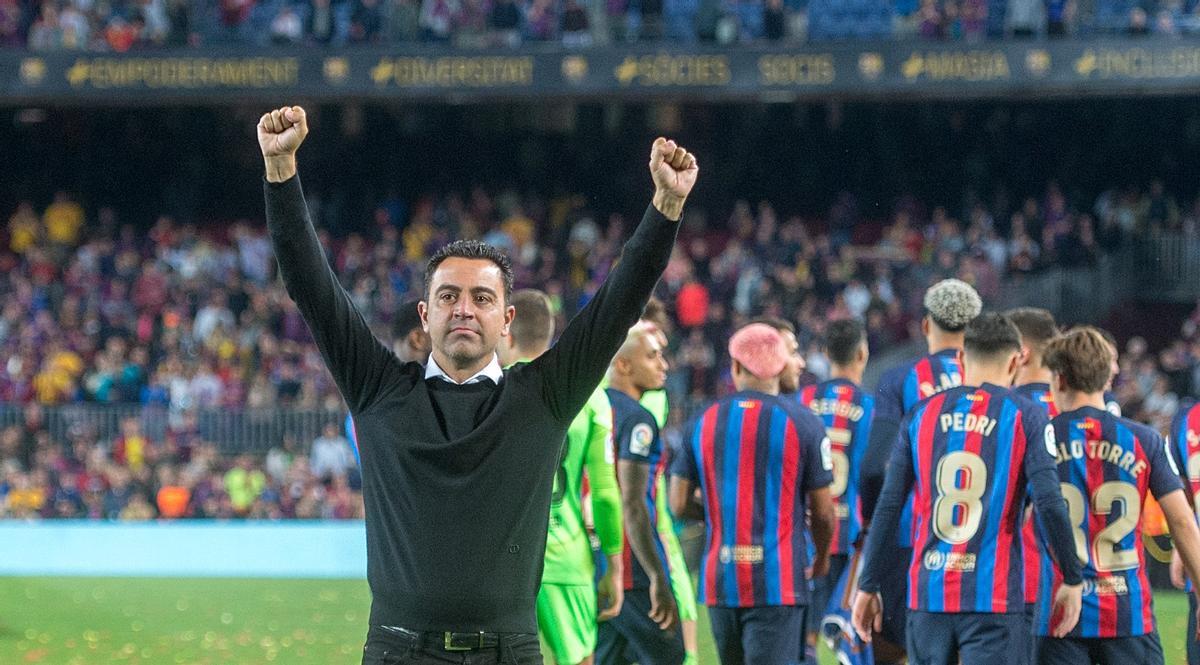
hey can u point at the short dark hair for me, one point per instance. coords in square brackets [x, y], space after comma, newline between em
[471, 249]
[655, 312]
[1036, 325]
[990, 334]
[408, 319]
[843, 339]
[775, 322]
[533, 325]
[1082, 357]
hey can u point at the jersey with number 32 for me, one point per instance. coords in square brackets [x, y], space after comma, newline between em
[1107, 465]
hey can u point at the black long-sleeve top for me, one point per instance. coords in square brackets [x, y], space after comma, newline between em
[971, 453]
[457, 478]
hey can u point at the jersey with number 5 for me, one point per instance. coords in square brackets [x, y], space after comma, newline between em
[846, 410]
[972, 451]
[1107, 465]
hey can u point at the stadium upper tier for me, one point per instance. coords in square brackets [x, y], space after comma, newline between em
[120, 27]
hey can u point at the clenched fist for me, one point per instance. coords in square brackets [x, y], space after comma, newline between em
[674, 172]
[280, 134]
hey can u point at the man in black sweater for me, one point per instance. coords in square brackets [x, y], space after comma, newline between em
[458, 457]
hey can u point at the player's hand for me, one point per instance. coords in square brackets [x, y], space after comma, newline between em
[281, 131]
[610, 594]
[673, 170]
[1068, 601]
[1178, 579]
[867, 614]
[662, 604]
[820, 566]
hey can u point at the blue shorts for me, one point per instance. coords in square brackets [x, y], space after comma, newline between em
[976, 638]
[632, 632]
[758, 635]
[1142, 650]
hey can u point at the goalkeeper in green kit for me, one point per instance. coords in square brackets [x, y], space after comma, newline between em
[570, 601]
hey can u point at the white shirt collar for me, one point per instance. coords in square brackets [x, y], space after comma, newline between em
[491, 371]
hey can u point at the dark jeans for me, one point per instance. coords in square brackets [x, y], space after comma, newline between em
[384, 648]
[758, 635]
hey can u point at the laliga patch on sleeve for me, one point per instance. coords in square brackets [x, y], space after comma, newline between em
[1051, 443]
[610, 454]
[827, 454]
[640, 440]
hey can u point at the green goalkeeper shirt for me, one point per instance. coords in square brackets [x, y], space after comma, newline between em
[588, 447]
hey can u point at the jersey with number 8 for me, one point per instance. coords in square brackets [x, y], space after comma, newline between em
[1107, 465]
[972, 452]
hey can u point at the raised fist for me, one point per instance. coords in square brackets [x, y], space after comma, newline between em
[281, 132]
[673, 168]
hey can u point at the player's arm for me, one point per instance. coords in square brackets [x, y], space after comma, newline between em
[1180, 465]
[634, 476]
[577, 362]
[885, 427]
[606, 512]
[868, 604]
[1186, 536]
[355, 358]
[685, 479]
[1041, 456]
[818, 476]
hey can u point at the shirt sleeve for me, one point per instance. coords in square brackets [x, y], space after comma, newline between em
[1041, 455]
[574, 366]
[1164, 472]
[358, 361]
[817, 453]
[683, 461]
[882, 532]
[638, 439]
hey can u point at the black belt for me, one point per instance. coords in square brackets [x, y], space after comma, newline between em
[449, 640]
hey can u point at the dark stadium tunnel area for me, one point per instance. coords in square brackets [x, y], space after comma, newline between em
[201, 164]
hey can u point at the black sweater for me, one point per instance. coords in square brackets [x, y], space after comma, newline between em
[457, 478]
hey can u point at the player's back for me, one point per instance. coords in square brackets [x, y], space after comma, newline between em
[968, 448]
[1106, 466]
[568, 551]
[1038, 393]
[902, 388]
[1185, 444]
[756, 456]
[846, 411]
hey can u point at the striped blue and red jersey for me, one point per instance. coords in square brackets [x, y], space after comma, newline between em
[901, 388]
[1038, 393]
[969, 455]
[636, 439]
[1106, 466]
[1184, 445]
[846, 410]
[755, 457]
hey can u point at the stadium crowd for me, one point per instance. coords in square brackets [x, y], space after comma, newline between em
[151, 24]
[182, 318]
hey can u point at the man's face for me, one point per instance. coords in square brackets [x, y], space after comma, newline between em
[466, 314]
[1114, 367]
[646, 365]
[789, 380]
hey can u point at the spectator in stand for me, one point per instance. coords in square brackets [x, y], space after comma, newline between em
[331, 454]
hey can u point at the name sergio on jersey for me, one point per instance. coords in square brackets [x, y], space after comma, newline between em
[1102, 450]
[833, 407]
[967, 422]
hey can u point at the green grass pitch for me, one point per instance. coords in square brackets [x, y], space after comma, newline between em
[81, 621]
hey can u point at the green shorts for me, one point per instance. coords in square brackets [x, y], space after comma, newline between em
[566, 615]
[681, 580]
